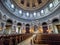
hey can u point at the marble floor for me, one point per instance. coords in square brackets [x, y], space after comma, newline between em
[28, 42]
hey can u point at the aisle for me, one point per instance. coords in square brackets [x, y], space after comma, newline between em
[27, 41]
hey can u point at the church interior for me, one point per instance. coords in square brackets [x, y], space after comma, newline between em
[29, 22]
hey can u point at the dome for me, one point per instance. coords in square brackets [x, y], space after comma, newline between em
[29, 22]
[30, 10]
[30, 4]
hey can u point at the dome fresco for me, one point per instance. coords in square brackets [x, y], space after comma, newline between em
[24, 9]
[30, 4]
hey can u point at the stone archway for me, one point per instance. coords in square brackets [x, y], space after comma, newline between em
[9, 24]
[55, 20]
[56, 25]
[45, 27]
[27, 28]
[19, 27]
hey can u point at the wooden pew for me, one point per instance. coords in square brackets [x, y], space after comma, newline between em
[1, 40]
[47, 39]
[13, 39]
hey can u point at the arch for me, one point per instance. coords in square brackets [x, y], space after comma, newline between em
[55, 20]
[45, 27]
[44, 23]
[9, 24]
[56, 25]
[9, 21]
[19, 24]
[27, 25]
[19, 27]
[27, 28]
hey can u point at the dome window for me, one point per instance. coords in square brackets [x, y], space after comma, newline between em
[27, 14]
[42, 11]
[51, 5]
[34, 14]
[20, 11]
[12, 6]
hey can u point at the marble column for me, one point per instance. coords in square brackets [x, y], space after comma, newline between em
[50, 27]
[14, 26]
[4, 27]
[31, 29]
[23, 30]
[40, 29]
[55, 29]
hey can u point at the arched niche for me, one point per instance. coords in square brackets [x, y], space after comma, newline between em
[45, 27]
[19, 27]
[27, 28]
[56, 25]
[19, 24]
[9, 24]
[55, 20]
